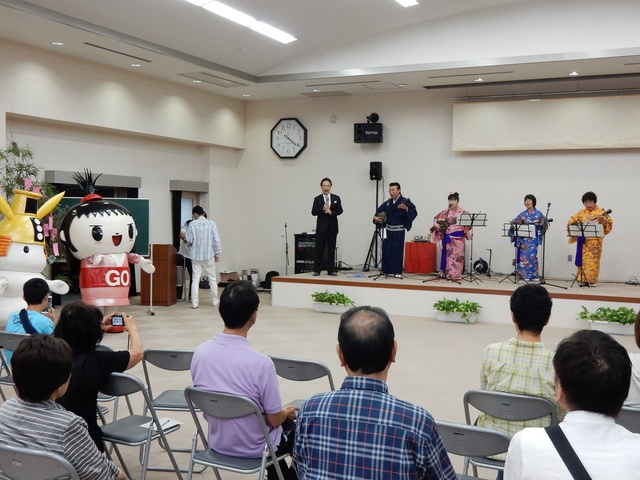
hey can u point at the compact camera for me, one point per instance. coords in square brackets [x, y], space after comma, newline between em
[117, 320]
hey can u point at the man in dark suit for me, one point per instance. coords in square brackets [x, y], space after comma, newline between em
[326, 207]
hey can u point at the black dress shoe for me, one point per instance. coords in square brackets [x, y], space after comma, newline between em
[316, 274]
[333, 274]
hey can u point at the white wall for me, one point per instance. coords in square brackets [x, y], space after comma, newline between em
[254, 193]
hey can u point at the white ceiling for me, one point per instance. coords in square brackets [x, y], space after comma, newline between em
[175, 41]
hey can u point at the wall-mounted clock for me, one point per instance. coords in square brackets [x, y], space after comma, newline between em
[288, 138]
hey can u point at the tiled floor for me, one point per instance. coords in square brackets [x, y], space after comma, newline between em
[436, 362]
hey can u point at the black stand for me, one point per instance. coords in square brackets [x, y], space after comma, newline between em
[472, 220]
[372, 254]
[544, 245]
[286, 250]
[519, 230]
[584, 230]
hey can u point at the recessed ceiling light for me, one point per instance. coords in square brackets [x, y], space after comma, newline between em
[402, 85]
[316, 90]
[479, 79]
[135, 65]
[246, 94]
[196, 81]
[574, 74]
[57, 44]
[407, 3]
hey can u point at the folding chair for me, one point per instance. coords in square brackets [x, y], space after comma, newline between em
[168, 400]
[26, 463]
[9, 341]
[102, 410]
[471, 441]
[506, 406]
[228, 406]
[129, 431]
[301, 370]
[629, 418]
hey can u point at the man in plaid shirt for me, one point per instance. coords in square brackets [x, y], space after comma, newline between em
[360, 431]
[523, 364]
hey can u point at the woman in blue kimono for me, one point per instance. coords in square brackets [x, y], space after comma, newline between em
[527, 248]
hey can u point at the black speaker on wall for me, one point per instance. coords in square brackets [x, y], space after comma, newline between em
[367, 132]
[375, 170]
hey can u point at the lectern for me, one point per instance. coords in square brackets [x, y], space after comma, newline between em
[164, 278]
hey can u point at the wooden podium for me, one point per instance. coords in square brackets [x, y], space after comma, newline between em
[164, 279]
[419, 257]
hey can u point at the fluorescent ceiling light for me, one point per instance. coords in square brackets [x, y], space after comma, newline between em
[404, 3]
[272, 32]
[243, 19]
[229, 13]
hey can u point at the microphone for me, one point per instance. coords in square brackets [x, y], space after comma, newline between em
[607, 212]
[548, 204]
[285, 225]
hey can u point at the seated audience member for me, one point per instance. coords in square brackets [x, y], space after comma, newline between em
[593, 374]
[360, 431]
[227, 363]
[633, 400]
[82, 327]
[33, 319]
[521, 365]
[41, 369]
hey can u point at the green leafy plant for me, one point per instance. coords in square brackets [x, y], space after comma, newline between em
[622, 315]
[456, 306]
[332, 298]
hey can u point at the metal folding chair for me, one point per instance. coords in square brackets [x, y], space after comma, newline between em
[228, 406]
[629, 418]
[471, 441]
[26, 463]
[102, 398]
[506, 406]
[129, 430]
[9, 341]
[301, 370]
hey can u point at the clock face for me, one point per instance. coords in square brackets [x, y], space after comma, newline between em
[288, 138]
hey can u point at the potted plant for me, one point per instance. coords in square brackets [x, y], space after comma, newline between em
[456, 311]
[331, 302]
[616, 321]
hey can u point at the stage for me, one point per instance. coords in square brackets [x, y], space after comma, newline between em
[412, 296]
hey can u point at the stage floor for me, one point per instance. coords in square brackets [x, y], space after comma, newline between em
[413, 296]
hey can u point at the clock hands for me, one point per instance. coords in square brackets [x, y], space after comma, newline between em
[288, 138]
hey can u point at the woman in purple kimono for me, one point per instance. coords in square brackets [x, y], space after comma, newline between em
[446, 230]
[527, 248]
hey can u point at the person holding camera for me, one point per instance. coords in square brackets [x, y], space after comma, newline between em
[38, 317]
[82, 326]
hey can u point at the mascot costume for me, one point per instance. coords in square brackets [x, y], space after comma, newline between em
[97, 237]
[23, 252]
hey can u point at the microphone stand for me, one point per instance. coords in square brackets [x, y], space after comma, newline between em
[286, 250]
[544, 256]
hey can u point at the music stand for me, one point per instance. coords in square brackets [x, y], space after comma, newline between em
[517, 230]
[584, 230]
[472, 220]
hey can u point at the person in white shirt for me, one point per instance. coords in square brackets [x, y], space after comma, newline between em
[593, 374]
[204, 242]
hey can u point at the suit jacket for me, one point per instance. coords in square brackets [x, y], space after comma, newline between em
[327, 223]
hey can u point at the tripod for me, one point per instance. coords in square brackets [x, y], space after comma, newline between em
[372, 254]
[582, 231]
[470, 220]
[544, 245]
[517, 230]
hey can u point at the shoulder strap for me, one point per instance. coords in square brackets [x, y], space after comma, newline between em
[26, 323]
[567, 453]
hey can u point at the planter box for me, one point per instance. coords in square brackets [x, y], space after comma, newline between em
[455, 317]
[329, 308]
[612, 328]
